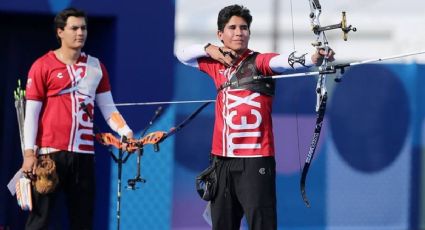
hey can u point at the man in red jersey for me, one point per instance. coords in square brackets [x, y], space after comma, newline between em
[243, 144]
[61, 89]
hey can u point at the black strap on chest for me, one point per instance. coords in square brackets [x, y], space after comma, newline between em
[243, 78]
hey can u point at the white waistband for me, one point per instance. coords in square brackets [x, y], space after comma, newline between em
[47, 150]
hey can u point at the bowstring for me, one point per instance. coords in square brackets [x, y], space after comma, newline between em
[158, 103]
[296, 95]
[293, 30]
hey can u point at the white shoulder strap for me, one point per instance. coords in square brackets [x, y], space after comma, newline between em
[88, 84]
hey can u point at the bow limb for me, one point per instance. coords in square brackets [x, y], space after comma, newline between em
[313, 146]
[155, 138]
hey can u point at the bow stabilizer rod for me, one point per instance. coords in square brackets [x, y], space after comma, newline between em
[341, 67]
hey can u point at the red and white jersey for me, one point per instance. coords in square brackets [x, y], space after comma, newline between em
[243, 124]
[63, 124]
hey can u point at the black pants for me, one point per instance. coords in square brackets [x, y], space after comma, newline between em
[77, 182]
[245, 186]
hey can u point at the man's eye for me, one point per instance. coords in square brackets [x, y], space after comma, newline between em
[75, 28]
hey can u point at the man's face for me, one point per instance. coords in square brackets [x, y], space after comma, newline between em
[235, 34]
[74, 33]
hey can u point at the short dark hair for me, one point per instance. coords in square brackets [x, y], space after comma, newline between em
[234, 10]
[62, 17]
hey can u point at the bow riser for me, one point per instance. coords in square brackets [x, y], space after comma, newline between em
[321, 42]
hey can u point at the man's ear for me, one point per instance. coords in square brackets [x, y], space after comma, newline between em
[59, 32]
[220, 35]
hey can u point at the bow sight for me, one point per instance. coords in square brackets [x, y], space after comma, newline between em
[342, 25]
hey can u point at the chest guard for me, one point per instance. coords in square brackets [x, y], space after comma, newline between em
[243, 78]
